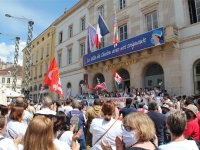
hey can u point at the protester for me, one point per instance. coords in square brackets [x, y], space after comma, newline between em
[4, 112]
[68, 106]
[138, 130]
[91, 113]
[40, 136]
[192, 129]
[27, 116]
[107, 126]
[165, 109]
[6, 143]
[31, 108]
[158, 119]
[60, 129]
[76, 113]
[176, 123]
[47, 102]
[15, 125]
[141, 108]
[128, 108]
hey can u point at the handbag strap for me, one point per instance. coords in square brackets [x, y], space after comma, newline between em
[105, 133]
[61, 133]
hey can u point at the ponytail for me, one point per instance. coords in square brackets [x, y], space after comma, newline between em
[107, 117]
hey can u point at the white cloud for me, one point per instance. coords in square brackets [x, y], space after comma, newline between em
[7, 52]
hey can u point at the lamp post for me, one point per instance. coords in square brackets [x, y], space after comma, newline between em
[27, 67]
[15, 60]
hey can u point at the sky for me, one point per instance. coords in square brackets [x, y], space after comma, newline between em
[42, 12]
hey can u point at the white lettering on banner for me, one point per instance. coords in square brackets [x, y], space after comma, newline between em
[131, 45]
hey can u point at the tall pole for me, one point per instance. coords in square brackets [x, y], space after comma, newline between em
[15, 64]
[28, 60]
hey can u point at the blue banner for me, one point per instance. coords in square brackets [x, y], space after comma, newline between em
[134, 44]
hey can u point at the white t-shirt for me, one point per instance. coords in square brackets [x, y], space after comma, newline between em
[66, 137]
[67, 109]
[8, 144]
[26, 118]
[60, 145]
[99, 126]
[181, 145]
[15, 128]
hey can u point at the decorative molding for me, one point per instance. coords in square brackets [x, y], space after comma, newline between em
[92, 3]
[138, 54]
[82, 40]
[149, 50]
[175, 45]
[161, 47]
[69, 46]
[59, 51]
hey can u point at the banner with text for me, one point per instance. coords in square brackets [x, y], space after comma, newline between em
[119, 101]
[134, 44]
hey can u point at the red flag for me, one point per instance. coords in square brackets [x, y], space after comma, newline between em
[101, 87]
[118, 79]
[52, 78]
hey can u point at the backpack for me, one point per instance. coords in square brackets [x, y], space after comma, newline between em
[75, 120]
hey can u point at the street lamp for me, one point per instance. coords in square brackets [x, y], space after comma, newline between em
[27, 67]
[15, 59]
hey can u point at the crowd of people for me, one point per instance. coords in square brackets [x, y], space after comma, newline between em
[150, 120]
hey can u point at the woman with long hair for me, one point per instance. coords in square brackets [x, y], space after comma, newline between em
[40, 136]
[105, 127]
[15, 125]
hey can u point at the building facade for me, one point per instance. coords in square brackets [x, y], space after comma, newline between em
[6, 78]
[70, 46]
[173, 66]
[41, 55]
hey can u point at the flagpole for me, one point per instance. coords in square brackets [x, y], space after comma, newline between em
[116, 85]
[39, 97]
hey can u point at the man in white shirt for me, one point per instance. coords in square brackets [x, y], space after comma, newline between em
[67, 107]
[47, 102]
[176, 123]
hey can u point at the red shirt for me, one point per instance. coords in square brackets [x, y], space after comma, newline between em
[198, 118]
[192, 130]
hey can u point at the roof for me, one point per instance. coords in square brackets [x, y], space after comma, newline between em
[5, 71]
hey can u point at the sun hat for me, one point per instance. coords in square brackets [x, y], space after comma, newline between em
[165, 106]
[192, 108]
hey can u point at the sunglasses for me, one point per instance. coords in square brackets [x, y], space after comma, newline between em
[127, 128]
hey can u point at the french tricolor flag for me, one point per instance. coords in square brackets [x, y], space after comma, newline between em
[102, 30]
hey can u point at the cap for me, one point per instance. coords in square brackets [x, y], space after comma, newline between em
[157, 32]
[165, 106]
[192, 108]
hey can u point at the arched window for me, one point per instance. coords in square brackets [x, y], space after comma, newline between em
[31, 88]
[154, 69]
[196, 70]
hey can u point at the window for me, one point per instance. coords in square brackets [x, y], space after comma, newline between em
[102, 43]
[71, 31]
[33, 46]
[48, 34]
[32, 58]
[59, 60]
[38, 43]
[82, 46]
[123, 32]
[46, 67]
[101, 11]
[42, 51]
[9, 73]
[40, 70]
[122, 4]
[35, 72]
[43, 39]
[47, 50]
[69, 56]
[152, 22]
[8, 80]
[37, 56]
[196, 70]
[194, 10]
[3, 80]
[60, 37]
[83, 24]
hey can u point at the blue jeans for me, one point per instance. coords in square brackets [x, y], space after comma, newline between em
[82, 144]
